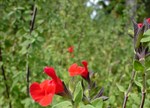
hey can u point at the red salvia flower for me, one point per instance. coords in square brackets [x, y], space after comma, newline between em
[59, 85]
[43, 93]
[79, 70]
[71, 49]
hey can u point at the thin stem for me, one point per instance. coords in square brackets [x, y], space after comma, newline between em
[5, 79]
[144, 86]
[128, 90]
[27, 54]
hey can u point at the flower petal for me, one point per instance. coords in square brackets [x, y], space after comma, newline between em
[46, 100]
[59, 86]
[84, 62]
[36, 91]
[75, 70]
[51, 87]
[50, 72]
[72, 69]
[44, 84]
[85, 71]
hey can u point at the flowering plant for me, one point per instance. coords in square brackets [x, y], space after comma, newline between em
[43, 93]
[141, 39]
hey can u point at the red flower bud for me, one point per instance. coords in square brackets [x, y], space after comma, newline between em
[148, 20]
[140, 25]
[71, 49]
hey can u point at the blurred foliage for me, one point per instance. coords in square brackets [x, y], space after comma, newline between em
[102, 41]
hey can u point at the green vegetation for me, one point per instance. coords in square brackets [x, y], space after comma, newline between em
[103, 41]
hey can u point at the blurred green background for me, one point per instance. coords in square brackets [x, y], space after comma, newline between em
[98, 30]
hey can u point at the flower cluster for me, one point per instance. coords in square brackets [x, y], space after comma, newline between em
[44, 92]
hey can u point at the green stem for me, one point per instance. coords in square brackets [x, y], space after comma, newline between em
[128, 90]
[144, 85]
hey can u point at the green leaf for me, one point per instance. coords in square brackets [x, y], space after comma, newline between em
[145, 39]
[121, 88]
[148, 69]
[148, 82]
[147, 33]
[138, 66]
[88, 106]
[138, 83]
[23, 50]
[112, 99]
[146, 36]
[1, 63]
[130, 32]
[78, 94]
[97, 103]
[64, 104]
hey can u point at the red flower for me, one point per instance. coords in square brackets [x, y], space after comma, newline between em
[43, 93]
[71, 49]
[79, 70]
[59, 85]
[140, 25]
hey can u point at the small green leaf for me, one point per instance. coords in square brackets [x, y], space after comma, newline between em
[64, 104]
[138, 83]
[97, 103]
[23, 51]
[138, 66]
[148, 82]
[88, 106]
[147, 33]
[78, 94]
[1, 63]
[148, 69]
[145, 39]
[130, 32]
[146, 36]
[121, 88]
